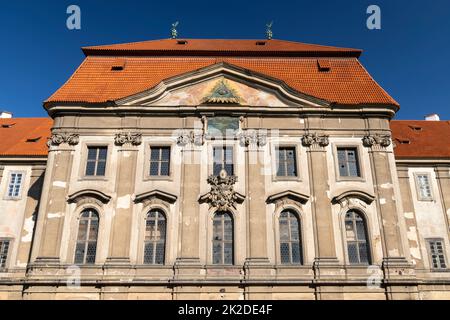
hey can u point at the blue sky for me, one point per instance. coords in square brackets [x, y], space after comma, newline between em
[409, 56]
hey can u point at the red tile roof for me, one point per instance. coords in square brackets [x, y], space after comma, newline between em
[95, 81]
[421, 139]
[221, 47]
[24, 136]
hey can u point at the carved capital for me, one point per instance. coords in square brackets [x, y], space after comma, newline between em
[380, 141]
[252, 138]
[59, 138]
[222, 196]
[134, 139]
[315, 140]
[191, 138]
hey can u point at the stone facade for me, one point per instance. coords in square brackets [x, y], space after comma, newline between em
[41, 265]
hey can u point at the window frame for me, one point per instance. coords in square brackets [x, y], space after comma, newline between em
[368, 238]
[298, 216]
[223, 144]
[147, 157]
[416, 183]
[276, 148]
[84, 158]
[8, 255]
[21, 188]
[79, 217]
[430, 258]
[359, 153]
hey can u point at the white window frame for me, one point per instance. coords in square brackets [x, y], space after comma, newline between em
[19, 196]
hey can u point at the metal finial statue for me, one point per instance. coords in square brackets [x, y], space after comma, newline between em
[269, 32]
[174, 30]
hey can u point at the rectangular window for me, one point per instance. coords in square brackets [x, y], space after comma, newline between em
[96, 161]
[223, 159]
[424, 187]
[437, 256]
[4, 248]
[160, 161]
[348, 162]
[15, 185]
[287, 162]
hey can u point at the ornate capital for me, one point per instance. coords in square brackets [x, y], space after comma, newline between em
[252, 138]
[381, 141]
[134, 139]
[313, 139]
[222, 196]
[59, 138]
[192, 138]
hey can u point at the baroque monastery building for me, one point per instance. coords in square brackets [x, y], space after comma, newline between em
[223, 169]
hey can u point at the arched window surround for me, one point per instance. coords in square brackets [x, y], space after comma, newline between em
[223, 240]
[160, 222]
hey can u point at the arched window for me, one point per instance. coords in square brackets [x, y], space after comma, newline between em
[223, 238]
[155, 237]
[87, 237]
[356, 237]
[290, 238]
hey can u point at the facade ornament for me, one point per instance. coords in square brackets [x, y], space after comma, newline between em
[194, 138]
[222, 93]
[252, 138]
[222, 196]
[269, 33]
[134, 139]
[382, 141]
[313, 139]
[59, 138]
[174, 32]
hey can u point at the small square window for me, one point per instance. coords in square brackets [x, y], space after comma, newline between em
[223, 159]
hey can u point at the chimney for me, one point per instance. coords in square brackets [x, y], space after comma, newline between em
[5, 115]
[432, 117]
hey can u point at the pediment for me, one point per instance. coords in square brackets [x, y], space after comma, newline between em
[156, 194]
[357, 194]
[222, 85]
[79, 196]
[288, 195]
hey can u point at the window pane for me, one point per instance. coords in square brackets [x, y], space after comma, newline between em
[294, 229]
[363, 254]
[154, 155]
[91, 249]
[165, 154]
[101, 167]
[164, 168]
[353, 169]
[352, 253]
[228, 232]
[4, 248]
[217, 253]
[92, 154]
[228, 253]
[83, 231]
[148, 253]
[296, 253]
[284, 230]
[159, 254]
[102, 153]
[154, 168]
[90, 168]
[79, 253]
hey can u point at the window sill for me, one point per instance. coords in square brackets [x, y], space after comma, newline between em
[158, 178]
[350, 179]
[286, 179]
[93, 178]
